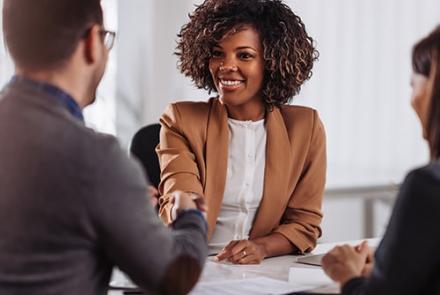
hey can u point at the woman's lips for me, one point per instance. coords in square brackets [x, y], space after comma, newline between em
[230, 85]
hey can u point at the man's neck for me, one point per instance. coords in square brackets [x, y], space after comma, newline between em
[59, 79]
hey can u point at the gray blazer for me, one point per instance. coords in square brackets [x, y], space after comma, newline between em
[72, 205]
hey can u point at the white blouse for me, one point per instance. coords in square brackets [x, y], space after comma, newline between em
[244, 183]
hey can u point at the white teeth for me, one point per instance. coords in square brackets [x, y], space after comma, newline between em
[230, 83]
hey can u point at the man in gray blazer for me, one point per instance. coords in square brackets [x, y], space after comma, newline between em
[72, 204]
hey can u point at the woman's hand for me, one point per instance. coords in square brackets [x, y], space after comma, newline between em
[243, 252]
[366, 271]
[346, 262]
[186, 200]
[154, 195]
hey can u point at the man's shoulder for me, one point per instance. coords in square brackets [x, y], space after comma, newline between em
[50, 122]
[96, 142]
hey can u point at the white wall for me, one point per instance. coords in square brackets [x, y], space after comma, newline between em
[361, 84]
[148, 78]
[6, 66]
[102, 114]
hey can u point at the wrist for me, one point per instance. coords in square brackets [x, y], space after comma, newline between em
[262, 248]
[180, 212]
[195, 212]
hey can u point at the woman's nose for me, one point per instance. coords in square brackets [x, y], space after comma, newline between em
[227, 67]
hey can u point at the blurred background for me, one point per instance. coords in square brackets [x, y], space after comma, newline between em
[360, 86]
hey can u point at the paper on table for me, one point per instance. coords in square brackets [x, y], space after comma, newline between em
[316, 259]
[311, 259]
[313, 278]
[258, 285]
[119, 281]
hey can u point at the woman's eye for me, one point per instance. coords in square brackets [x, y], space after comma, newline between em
[216, 53]
[245, 55]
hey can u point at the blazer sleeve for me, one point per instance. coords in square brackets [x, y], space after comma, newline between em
[301, 220]
[179, 170]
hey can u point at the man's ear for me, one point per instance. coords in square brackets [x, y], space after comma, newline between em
[93, 44]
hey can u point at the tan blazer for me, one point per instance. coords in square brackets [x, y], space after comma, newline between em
[193, 154]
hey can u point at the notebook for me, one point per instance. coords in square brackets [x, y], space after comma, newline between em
[316, 259]
[311, 259]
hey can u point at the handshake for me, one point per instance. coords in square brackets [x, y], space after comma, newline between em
[182, 201]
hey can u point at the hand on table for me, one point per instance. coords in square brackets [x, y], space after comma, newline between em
[345, 262]
[366, 271]
[185, 200]
[242, 252]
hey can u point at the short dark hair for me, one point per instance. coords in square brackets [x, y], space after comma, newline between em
[426, 62]
[289, 53]
[42, 34]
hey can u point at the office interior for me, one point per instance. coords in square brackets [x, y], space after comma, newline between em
[360, 86]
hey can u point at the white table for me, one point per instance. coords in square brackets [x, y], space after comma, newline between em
[283, 271]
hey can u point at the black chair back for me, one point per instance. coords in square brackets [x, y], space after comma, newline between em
[143, 148]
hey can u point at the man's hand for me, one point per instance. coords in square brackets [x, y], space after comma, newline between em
[242, 252]
[184, 200]
[346, 262]
[154, 195]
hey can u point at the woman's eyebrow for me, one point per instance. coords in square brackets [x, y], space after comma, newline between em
[236, 49]
[245, 47]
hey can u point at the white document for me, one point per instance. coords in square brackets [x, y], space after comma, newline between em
[317, 258]
[311, 259]
[258, 285]
[313, 279]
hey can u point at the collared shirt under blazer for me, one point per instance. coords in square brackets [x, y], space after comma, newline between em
[193, 154]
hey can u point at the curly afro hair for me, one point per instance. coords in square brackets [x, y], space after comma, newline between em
[289, 53]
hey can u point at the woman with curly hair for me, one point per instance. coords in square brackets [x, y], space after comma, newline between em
[258, 163]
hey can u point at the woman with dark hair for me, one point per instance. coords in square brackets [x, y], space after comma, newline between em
[408, 258]
[258, 163]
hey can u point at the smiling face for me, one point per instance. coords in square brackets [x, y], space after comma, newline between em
[237, 69]
[420, 99]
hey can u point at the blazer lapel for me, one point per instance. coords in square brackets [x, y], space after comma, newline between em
[217, 140]
[276, 175]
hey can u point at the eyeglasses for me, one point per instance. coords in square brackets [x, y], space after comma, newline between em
[108, 38]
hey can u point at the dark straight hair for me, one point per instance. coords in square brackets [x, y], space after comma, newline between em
[434, 113]
[43, 34]
[426, 61]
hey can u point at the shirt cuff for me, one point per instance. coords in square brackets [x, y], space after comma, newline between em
[353, 286]
[195, 212]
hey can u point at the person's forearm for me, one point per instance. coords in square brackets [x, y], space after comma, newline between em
[190, 249]
[275, 244]
[180, 277]
[190, 234]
